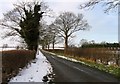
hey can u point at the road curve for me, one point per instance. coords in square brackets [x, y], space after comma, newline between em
[68, 71]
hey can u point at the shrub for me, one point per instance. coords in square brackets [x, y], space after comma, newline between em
[13, 60]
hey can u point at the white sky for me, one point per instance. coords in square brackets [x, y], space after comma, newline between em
[104, 26]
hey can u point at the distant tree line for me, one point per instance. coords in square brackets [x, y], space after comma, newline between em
[96, 45]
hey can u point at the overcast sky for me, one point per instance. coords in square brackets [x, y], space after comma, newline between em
[104, 26]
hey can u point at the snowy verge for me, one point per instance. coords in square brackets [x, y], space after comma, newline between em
[35, 71]
[67, 58]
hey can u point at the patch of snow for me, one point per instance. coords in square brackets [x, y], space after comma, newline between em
[6, 49]
[111, 63]
[57, 48]
[71, 59]
[67, 58]
[35, 71]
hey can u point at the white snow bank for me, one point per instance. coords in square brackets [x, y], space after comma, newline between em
[35, 70]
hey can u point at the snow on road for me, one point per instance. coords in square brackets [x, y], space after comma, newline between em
[35, 70]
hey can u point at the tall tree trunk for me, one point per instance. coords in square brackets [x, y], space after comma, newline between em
[43, 47]
[36, 47]
[48, 46]
[66, 44]
[33, 45]
[53, 45]
[53, 41]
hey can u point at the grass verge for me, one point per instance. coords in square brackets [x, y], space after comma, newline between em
[114, 70]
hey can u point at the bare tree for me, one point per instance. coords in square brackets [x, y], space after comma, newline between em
[55, 39]
[49, 36]
[43, 40]
[68, 23]
[110, 4]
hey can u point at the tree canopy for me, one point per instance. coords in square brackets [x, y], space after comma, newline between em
[68, 23]
[23, 21]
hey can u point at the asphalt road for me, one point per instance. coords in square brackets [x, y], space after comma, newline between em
[67, 71]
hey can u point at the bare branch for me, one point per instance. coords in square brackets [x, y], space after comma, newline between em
[110, 4]
[8, 34]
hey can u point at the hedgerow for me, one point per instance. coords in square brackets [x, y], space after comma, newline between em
[13, 61]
